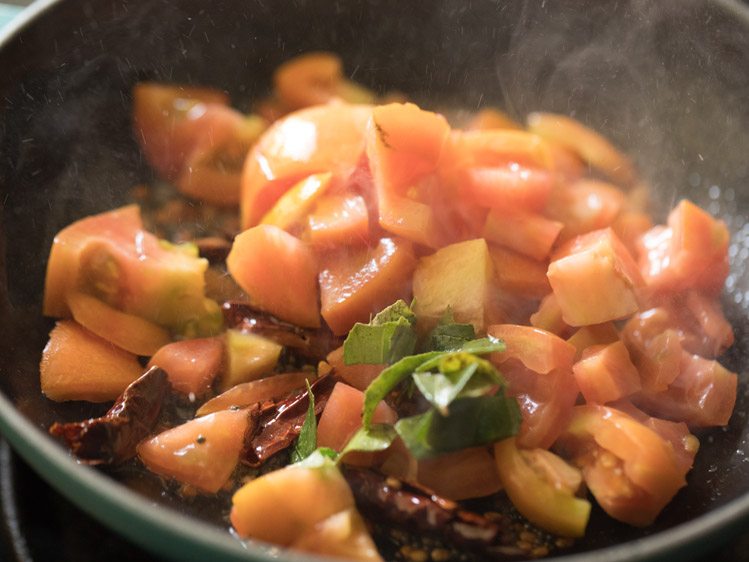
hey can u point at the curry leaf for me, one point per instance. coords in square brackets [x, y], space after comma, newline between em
[386, 339]
[449, 335]
[307, 441]
[471, 422]
[388, 379]
[322, 456]
[377, 437]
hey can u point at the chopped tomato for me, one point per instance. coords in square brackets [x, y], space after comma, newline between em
[356, 284]
[342, 417]
[165, 124]
[79, 365]
[460, 475]
[294, 205]
[359, 376]
[595, 334]
[111, 257]
[339, 220]
[191, 365]
[545, 402]
[588, 144]
[496, 148]
[131, 333]
[527, 233]
[342, 535]
[595, 279]
[584, 206]
[630, 226]
[278, 272]
[542, 487]
[691, 253]
[327, 138]
[702, 395]
[539, 350]
[606, 374]
[202, 452]
[507, 188]
[212, 169]
[630, 469]
[455, 278]
[549, 317]
[404, 146]
[316, 78]
[279, 506]
[518, 274]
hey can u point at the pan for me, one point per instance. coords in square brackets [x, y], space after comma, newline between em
[667, 81]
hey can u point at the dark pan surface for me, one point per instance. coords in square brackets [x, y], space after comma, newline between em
[668, 81]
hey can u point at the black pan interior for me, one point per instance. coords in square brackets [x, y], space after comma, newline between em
[668, 81]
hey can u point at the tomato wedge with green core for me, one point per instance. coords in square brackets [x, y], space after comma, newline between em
[538, 484]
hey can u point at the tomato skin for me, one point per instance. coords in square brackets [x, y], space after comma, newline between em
[630, 469]
[329, 138]
[539, 350]
[292, 207]
[356, 284]
[545, 402]
[279, 272]
[550, 505]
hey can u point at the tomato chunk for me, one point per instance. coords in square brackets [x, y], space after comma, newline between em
[319, 139]
[294, 205]
[605, 373]
[456, 277]
[274, 387]
[342, 416]
[526, 233]
[278, 272]
[595, 279]
[460, 475]
[339, 220]
[162, 122]
[356, 284]
[519, 275]
[702, 395]
[79, 365]
[539, 350]
[630, 469]
[202, 452]
[191, 365]
[359, 376]
[691, 253]
[111, 257]
[585, 206]
[511, 187]
[538, 484]
[131, 333]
